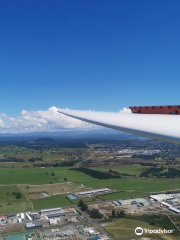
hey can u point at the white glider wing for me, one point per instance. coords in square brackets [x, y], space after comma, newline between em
[158, 126]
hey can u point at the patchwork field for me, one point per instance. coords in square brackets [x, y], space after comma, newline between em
[59, 180]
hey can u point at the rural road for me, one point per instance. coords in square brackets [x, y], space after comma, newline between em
[91, 155]
[26, 196]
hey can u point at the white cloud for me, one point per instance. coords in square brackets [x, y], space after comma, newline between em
[1, 123]
[42, 121]
[125, 110]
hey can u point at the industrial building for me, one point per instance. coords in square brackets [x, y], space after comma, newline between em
[166, 204]
[50, 210]
[161, 197]
[34, 225]
[103, 190]
[174, 210]
[2, 218]
[22, 215]
[29, 218]
[54, 221]
[36, 216]
[116, 203]
[56, 215]
[22, 236]
[169, 206]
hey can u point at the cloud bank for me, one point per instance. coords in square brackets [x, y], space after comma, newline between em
[44, 121]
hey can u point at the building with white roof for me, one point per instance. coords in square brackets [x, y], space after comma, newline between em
[50, 210]
[91, 232]
[166, 204]
[174, 210]
[103, 190]
[161, 197]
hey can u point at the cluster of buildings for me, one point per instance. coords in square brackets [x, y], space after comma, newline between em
[74, 232]
[139, 151]
[83, 232]
[150, 147]
[34, 219]
[42, 218]
[170, 201]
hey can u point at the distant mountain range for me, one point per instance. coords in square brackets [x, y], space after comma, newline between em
[43, 136]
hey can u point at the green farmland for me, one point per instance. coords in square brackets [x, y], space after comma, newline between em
[124, 228]
[9, 203]
[127, 169]
[24, 177]
[132, 187]
[54, 201]
[44, 176]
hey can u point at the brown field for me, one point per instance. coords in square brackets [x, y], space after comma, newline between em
[34, 191]
[13, 228]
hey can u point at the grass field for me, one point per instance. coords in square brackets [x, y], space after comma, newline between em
[39, 176]
[121, 195]
[55, 189]
[133, 187]
[15, 204]
[54, 201]
[125, 229]
[127, 169]
[47, 155]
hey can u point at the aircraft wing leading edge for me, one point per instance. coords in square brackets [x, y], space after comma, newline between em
[158, 126]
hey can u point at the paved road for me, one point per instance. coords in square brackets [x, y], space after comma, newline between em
[91, 155]
[93, 221]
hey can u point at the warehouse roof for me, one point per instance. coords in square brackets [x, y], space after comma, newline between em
[174, 210]
[16, 237]
[161, 197]
[94, 191]
[50, 210]
[166, 204]
[19, 236]
[56, 215]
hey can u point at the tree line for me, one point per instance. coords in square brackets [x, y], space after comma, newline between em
[153, 171]
[12, 159]
[158, 172]
[153, 156]
[96, 174]
[61, 164]
[117, 214]
[94, 213]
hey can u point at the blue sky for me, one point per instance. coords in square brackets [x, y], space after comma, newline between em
[99, 55]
